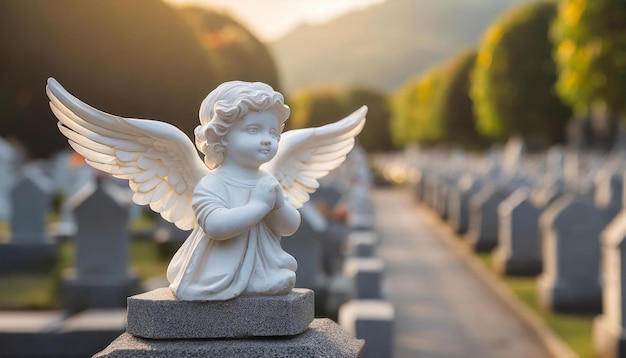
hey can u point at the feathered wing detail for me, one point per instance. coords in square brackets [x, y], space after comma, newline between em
[159, 160]
[306, 155]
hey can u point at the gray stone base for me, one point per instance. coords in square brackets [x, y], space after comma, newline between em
[83, 293]
[324, 338]
[50, 335]
[609, 339]
[27, 257]
[512, 266]
[159, 315]
[568, 298]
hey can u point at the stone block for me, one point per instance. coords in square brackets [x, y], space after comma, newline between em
[28, 334]
[362, 244]
[371, 320]
[81, 293]
[159, 315]
[323, 338]
[27, 257]
[367, 274]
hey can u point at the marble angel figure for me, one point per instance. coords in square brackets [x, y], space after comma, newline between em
[238, 202]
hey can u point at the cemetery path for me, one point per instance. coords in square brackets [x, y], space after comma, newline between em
[442, 307]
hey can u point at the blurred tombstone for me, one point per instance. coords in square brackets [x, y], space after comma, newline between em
[543, 197]
[513, 154]
[519, 249]
[371, 320]
[169, 237]
[459, 201]
[362, 244]
[367, 275]
[30, 202]
[306, 247]
[8, 168]
[70, 173]
[101, 278]
[327, 201]
[609, 329]
[483, 223]
[608, 192]
[29, 247]
[570, 282]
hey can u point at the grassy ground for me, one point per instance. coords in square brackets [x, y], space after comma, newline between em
[42, 291]
[575, 330]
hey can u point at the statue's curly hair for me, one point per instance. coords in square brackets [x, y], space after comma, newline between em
[225, 105]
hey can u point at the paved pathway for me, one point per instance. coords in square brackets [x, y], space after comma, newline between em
[442, 308]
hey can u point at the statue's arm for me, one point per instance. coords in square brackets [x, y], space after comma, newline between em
[217, 219]
[284, 220]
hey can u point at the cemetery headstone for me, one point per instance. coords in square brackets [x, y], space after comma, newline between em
[101, 278]
[570, 282]
[459, 201]
[29, 248]
[372, 321]
[8, 167]
[519, 247]
[609, 329]
[483, 224]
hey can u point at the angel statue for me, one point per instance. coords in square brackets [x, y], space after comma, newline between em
[239, 201]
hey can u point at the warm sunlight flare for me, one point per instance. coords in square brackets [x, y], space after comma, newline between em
[272, 19]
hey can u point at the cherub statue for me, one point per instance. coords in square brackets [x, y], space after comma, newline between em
[239, 202]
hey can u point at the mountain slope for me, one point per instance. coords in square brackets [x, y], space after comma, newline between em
[382, 46]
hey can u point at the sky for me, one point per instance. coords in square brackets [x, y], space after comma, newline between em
[271, 19]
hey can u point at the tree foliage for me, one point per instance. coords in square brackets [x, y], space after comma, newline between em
[233, 51]
[590, 50]
[513, 80]
[453, 105]
[315, 107]
[413, 118]
[137, 58]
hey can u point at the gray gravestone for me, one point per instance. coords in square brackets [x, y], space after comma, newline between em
[8, 167]
[101, 278]
[483, 224]
[609, 332]
[29, 247]
[30, 202]
[570, 282]
[367, 275]
[608, 192]
[372, 321]
[519, 249]
[459, 201]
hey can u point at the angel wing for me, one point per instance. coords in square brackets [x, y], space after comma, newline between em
[159, 160]
[306, 155]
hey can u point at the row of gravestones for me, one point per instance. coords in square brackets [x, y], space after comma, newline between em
[556, 215]
[93, 293]
[335, 247]
[101, 280]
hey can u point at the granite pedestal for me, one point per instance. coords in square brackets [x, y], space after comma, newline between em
[159, 315]
[254, 326]
[324, 338]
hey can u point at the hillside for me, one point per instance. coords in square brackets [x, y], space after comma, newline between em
[382, 46]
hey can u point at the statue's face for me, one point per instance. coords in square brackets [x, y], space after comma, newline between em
[253, 140]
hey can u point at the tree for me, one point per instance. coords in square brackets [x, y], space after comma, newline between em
[233, 51]
[590, 49]
[453, 106]
[315, 107]
[513, 80]
[413, 118]
[131, 58]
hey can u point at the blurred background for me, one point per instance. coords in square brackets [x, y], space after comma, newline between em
[447, 75]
